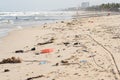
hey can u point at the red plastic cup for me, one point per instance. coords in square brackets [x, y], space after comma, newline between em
[46, 51]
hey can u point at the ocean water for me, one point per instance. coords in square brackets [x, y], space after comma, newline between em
[17, 20]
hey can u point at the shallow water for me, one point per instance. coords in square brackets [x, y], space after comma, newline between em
[18, 20]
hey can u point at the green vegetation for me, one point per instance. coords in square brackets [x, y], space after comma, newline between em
[105, 7]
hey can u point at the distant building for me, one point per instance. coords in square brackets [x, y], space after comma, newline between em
[119, 9]
[85, 4]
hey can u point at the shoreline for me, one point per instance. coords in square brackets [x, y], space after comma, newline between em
[87, 15]
[85, 58]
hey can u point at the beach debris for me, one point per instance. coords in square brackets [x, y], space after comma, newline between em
[108, 14]
[66, 43]
[46, 51]
[19, 51]
[116, 37]
[38, 61]
[111, 54]
[11, 60]
[47, 42]
[90, 21]
[59, 56]
[83, 61]
[63, 61]
[85, 50]
[76, 44]
[31, 78]
[43, 62]
[33, 49]
[62, 21]
[92, 56]
[77, 36]
[70, 23]
[56, 64]
[37, 53]
[6, 70]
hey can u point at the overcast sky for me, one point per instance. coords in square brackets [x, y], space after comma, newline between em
[38, 5]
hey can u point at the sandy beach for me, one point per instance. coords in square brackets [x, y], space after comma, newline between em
[82, 49]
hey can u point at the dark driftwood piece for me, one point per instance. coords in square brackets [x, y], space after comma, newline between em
[47, 42]
[11, 60]
[108, 52]
[19, 51]
[31, 78]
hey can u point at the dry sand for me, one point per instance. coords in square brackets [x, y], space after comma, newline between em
[82, 44]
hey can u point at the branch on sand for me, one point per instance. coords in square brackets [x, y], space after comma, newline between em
[47, 42]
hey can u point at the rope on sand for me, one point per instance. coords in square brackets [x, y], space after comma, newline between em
[108, 52]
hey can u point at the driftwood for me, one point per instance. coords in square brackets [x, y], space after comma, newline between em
[69, 63]
[108, 52]
[47, 42]
[31, 78]
[64, 62]
[11, 60]
[19, 51]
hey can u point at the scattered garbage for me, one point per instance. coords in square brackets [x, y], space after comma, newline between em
[59, 56]
[19, 51]
[37, 53]
[6, 70]
[66, 43]
[64, 61]
[85, 50]
[83, 61]
[33, 49]
[48, 42]
[31, 78]
[70, 23]
[46, 51]
[11, 60]
[92, 56]
[76, 44]
[56, 64]
[90, 21]
[43, 62]
[67, 63]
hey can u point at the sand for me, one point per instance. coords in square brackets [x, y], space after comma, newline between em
[83, 49]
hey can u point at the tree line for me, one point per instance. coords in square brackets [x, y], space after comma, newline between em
[105, 7]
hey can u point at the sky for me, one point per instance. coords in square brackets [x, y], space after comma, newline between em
[40, 5]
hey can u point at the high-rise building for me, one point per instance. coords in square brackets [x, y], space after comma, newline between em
[85, 4]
